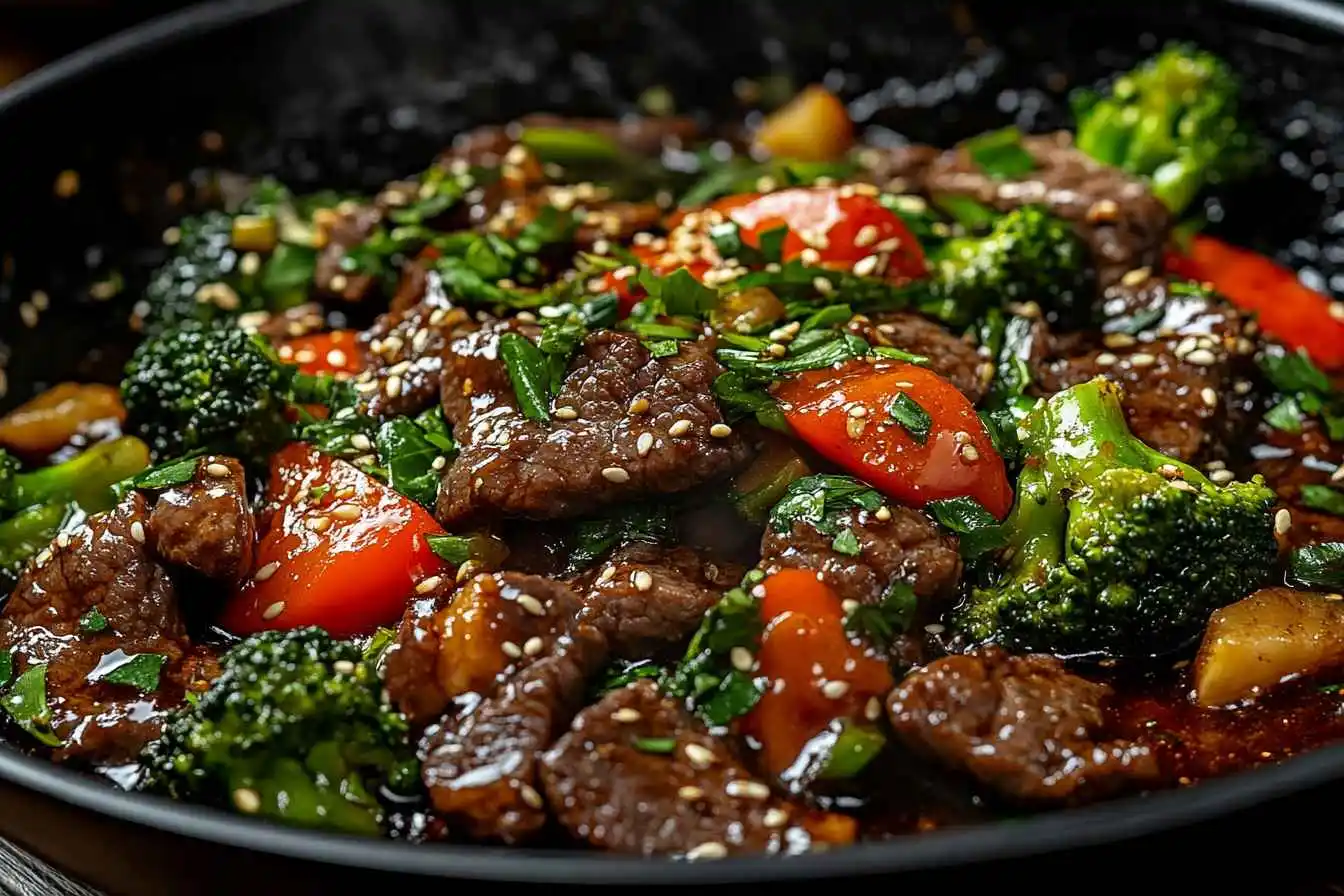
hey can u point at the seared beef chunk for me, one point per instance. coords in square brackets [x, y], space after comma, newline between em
[452, 646]
[648, 600]
[351, 227]
[205, 524]
[898, 169]
[481, 769]
[1114, 213]
[950, 356]
[906, 546]
[1023, 725]
[288, 324]
[596, 450]
[1289, 461]
[638, 774]
[404, 349]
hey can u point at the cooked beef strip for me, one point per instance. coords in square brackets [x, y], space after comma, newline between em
[1289, 461]
[118, 562]
[291, 323]
[461, 646]
[1023, 725]
[897, 169]
[589, 454]
[608, 787]
[481, 770]
[648, 600]
[351, 228]
[950, 356]
[206, 525]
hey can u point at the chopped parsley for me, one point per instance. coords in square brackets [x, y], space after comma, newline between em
[819, 501]
[847, 543]
[978, 530]
[1318, 566]
[1000, 153]
[911, 416]
[1304, 391]
[595, 538]
[26, 704]
[659, 745]
[1323, 498]
[705, 676]
[92, 622]
[139, 670]
[889, 617]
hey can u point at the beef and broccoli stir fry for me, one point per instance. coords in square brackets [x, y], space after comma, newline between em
[699, 492]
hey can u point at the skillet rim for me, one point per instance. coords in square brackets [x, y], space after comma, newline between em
[1053, 832]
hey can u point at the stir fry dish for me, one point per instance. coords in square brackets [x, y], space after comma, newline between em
[642, 487]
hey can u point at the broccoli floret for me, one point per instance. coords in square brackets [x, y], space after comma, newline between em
[1174, 119]
[1028, 256]
[214, 388]
[1114, 548]
[34, 506]
[296, 728]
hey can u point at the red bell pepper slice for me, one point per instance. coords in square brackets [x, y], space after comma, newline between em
[335, 352]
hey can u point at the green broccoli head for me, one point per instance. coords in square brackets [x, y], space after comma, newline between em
[1175, 119]
[296, 728]
[1116, 549]
[1028, 256]
[201, 280]
[196, 387]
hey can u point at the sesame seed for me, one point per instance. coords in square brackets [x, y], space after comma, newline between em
[849, 605]
[690, 792]
[1338, 475]
[439, 463]
[511, 650]
[566, 413]
[883, 513]
[1106, 359]
[137, 532]
[872, 710]
[266, 571]
[1118, 340]
[1183, 486]
[172, 236]
[247, 800]
[533, 646]
[360, 442]
[776, 350]
[834, 690]
[643, 443]
[642, 580]
[854, 427]
[606, 575]
[858, 410]
[531, 605]
[720, 430]
[934, 628]
[530, 796]
[392, 386]
[345, 512]
[866, 236]
[626, 714]
[866, 266]
[775, 818]
[466, 571]
[1337, 311]
[1171, 471]
[273, 610]
[42, 558]
[711, 849]
[426, 585]
[219, 471]
[1142, 359]
[1201, 356]
[63, 540]
[698, 756]
[1210, 396]
[319, 524]
[1283, 521]
[344, 667]
[741, 659]
[680, 428]
[639, 405]
[752, 790]
[1221, 477]
[249, 264]
[616, 475]
[1136, 276]
[823, 285]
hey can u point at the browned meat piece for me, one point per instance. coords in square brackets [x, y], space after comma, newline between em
[404, 349]
[1114, 213]
[1023, 725]
[907, 546]
[481, 770]
[648, 600]
[495, 625]
[348, 229]
[1288, 462]
[624, 424]
[899, 169]
[487, 146]
[1150, 307]
[950, 356]
[288, 324]
[206, 524]
[638, 774]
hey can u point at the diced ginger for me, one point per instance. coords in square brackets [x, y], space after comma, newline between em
[48, 422]
[812, 127]
[1256, 643]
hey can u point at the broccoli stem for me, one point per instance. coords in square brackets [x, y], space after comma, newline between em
[86, 479]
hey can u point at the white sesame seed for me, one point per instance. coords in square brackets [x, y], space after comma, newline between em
[1201, 356]
[690, 792]
[533, 646]
[680, 428]
[343, 667]
[530, 796]
[319, 523]
[360, 442]
[43, 557]
[849, 605]
[1221, 477]
[137, 532]
[1184, 486]
[866, 266]
[775, 818]
[566, 413]
[642, 580]
[1136, 276]
[1118, 340]
[834, 690]
[823, 285]
[266, 571]
[273, 610]
[1338, 475]
[709, 850]
[644, 443]
[511, 650]
[531, 605]
[247, 800]
[720, 430]
[1283, 521]
[872, 710]
[426, 585]
[698, 756]
[1209, 396]
[866, 236]
[777, 350]
[606, 575]
[345, 512]
[219, 471]
[1142, 359]
[1337, 310]
[1106, 359]
[854, 426]
[935, 628]
[883, 513]
[752, 790]
[741, 659]
[639, 405]
[616, 475]
[626, 714]
[857, 410]
[970, 453]
[439, 463]
[63, 540]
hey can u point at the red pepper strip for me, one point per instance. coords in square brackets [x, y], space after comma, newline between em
[1285, 308]
[335, 352]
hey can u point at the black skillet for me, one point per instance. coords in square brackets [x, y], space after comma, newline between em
[352, 92]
